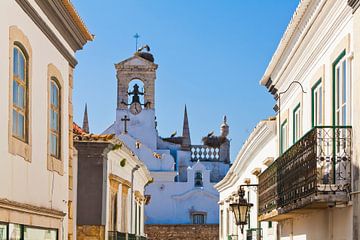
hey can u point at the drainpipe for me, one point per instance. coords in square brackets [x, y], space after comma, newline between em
[132, 196]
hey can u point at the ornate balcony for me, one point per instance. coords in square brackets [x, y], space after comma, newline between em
[314, 173]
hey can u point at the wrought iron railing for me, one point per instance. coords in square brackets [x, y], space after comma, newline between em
[204, 153]
[319, 163]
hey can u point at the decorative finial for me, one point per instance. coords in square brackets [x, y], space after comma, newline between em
[224, 127]
[136, 36]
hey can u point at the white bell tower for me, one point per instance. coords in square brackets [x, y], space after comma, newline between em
[135, 114]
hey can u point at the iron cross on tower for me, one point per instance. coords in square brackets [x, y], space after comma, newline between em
[125, 119]
[136, 36]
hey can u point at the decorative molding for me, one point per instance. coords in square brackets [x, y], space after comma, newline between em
[120, 180]
[63, 22]
[17, 146]
[31, 12]
[53, 163]
[27, 208]
[268, 161]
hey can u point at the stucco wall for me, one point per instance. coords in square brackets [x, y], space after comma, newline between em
[30, 182]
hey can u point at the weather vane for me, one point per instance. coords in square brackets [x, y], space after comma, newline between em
[136, 36]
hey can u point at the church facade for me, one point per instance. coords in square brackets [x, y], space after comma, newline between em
[184, 174]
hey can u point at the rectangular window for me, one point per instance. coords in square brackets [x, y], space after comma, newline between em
[284, 138]
[3, 231]
[317, 104]
[270, 224]
[340, 92]
[198, 218]
[297, 123]
[38, 233]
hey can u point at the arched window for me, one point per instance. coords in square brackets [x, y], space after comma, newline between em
[55, 118]
[136, 91]
[198, 179]
[19, 98]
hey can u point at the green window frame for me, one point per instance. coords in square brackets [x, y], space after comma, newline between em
[297, 123]
[317, 104]
[284, 137]
[339, 98]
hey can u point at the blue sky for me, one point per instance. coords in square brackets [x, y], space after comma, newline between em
[211, 56]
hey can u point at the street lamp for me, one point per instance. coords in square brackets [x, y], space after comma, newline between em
[241, 209]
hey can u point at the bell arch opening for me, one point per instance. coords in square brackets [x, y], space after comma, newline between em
[136, 92]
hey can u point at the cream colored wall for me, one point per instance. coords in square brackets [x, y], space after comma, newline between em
[330, 34]
[141, 178]
[30, 182]
[334, 223]
[255, 155]
[356, 124]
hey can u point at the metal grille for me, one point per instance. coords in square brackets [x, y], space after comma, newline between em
[319, 163]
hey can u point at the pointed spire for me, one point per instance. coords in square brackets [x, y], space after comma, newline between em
[86, 120]
[186, 141]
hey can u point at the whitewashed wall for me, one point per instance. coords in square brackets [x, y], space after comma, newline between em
[22, 181]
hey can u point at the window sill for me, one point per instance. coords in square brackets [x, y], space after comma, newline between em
[20, 148]
[55, 164]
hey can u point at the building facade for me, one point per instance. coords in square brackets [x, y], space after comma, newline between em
[184, 174]
[311, 189]
[39, 40]
[111, 186]
[255, 155]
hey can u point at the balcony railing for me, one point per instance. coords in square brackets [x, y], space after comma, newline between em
[315, 171]
[204, 153]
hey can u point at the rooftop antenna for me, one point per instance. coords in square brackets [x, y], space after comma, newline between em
[136, 36]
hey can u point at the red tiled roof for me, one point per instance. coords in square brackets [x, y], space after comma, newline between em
[77, 129]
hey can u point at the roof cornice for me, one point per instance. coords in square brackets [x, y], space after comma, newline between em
[63, 16]
[286, 38]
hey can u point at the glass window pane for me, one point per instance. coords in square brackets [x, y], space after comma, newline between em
[21, 129]
[15, 92]
[37, 234]
[14, 123]
[337, 88]
[54, 94]
[320, 106]
[21, 100]
[21, 67]
[15, 62]
[53, 145]
[14, 232]
[344, 82]
[3, 231]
